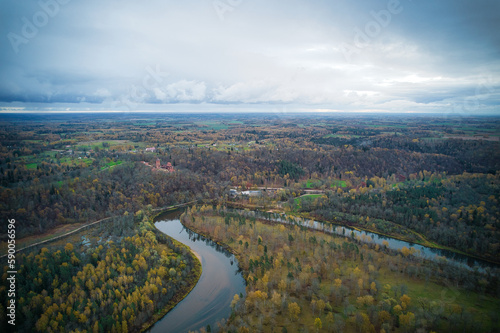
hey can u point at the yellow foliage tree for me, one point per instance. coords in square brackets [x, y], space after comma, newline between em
[318, 324]
[293, 310]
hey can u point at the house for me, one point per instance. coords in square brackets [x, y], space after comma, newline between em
[151, 150]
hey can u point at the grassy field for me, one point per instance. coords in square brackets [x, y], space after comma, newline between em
[99, 143]
[309, 197]
[32, 162]
[339, 183]
[313, 183]
[111, 164]
[211, 125]
[316, 183]
[482, 305]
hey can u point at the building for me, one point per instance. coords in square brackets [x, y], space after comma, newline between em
[251, 193]
[151, 149]
[168, 167]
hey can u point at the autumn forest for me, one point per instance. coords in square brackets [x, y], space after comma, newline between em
[85, 189]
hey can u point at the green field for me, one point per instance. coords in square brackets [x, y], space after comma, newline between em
[309, 197]
[482, 305]
[312, 182]
[75, 161]
[211, 125]
[99, 143]
[111, 164]
[338, 183]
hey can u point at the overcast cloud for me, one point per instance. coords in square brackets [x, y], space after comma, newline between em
[392, 56]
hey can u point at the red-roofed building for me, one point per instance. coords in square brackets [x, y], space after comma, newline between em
[168, 168]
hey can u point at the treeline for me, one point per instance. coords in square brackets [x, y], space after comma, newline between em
[456, 211]
[464, 155]
[58, 192]
[88, 193]
[473, 155]
[305, 280]
[263, 166]
[60, 187]
[116, 286]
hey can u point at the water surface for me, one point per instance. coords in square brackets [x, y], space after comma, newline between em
[428, 253]
[210, 299]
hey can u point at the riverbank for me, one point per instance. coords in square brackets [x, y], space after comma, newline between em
[221, 244]
[191, 281]
[424, 241]
[300, 281]
[182, 294]
[208, 304]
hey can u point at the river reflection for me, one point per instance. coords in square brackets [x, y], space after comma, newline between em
[210, 299]
[370, 237]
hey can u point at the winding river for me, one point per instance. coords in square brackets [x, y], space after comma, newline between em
[210, 299]
[221, 279]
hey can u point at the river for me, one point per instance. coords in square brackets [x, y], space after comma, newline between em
[425, 252]
[210, 299]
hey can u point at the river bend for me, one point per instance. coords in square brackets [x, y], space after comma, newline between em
[210, 299]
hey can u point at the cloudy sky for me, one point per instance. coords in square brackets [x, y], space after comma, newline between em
[367, 55]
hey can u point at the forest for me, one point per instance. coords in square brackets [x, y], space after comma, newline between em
[456, 211]
[122, 284]
[303, 280]
[433, 181]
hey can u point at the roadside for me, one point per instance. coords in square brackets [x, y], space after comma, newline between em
[62, 231]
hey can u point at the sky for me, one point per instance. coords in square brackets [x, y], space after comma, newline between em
[419, 56]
